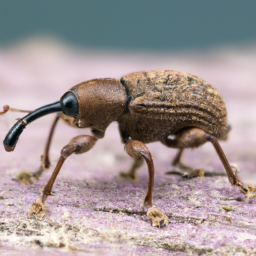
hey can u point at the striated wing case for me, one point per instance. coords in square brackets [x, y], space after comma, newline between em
[162, 102]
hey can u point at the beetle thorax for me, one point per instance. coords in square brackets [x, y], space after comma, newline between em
[101, 101]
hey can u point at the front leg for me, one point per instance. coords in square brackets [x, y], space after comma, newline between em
[131, 174]
[45, 163]
[27, 178]
[138, 150]
[77, 145]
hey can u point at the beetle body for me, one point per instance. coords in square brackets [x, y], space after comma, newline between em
[148, 106]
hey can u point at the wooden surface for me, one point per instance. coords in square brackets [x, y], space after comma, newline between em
[94, 212]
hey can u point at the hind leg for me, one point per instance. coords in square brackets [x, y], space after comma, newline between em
[178, 163]
[195, 137]
[187, 138]
[250, 190]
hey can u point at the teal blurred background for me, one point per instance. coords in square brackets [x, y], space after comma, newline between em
[150, 25]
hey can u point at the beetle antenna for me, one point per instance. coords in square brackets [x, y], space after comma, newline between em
[12, 137]
[7, 108]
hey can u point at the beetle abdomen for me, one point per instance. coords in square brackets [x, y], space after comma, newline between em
[175, 100]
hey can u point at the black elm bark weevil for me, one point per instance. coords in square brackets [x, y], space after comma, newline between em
[148, 106]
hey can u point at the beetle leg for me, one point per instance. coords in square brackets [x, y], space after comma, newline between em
[77, 145]
[131, 174]
[24, 177]
[186, 171]
[186, 138]
[27, 177]
[45, 161]
[138, 150]
[177, 161]
[248, 191]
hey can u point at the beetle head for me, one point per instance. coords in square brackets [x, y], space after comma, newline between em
[94, 104]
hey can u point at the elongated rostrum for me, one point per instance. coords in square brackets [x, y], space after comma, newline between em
[178, 109]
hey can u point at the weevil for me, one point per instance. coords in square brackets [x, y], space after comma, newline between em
[178, 109]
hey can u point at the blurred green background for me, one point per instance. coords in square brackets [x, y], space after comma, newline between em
[134, 24]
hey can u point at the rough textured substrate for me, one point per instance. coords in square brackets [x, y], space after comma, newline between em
[92, 211]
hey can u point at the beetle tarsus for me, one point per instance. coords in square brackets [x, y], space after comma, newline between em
[194, 173]
[37, 209]
[248, 190]
[27, 177]
[157, 218]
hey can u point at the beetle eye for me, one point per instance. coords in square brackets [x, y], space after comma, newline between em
[69, 104]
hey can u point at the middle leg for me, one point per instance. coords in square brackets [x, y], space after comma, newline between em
[131, 174]
[138, 150]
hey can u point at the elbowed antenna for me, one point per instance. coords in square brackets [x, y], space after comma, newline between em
[12, 137]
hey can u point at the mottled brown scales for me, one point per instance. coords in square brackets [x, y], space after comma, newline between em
[162, 102]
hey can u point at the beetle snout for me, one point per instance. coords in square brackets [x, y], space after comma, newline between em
[13, 135]
[11, 138]
[8, 148]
